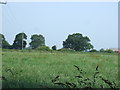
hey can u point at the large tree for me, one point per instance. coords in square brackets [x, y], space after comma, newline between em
[3, 42]
[77, 42]
[36, 41]
[19, 42]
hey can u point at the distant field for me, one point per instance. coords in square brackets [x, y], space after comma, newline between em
[36, 69]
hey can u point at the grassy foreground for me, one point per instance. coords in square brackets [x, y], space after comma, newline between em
[37, 69]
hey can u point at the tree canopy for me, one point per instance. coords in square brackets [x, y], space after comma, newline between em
[54, 47]
[77, 42]
[19, 41]
[3, 42]
[36, 41]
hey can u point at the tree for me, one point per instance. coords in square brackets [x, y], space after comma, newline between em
[109, 51]
[54, 47]
[19, 42]
[102, 50]
[77, 42]
[36, 41]
[3, 42]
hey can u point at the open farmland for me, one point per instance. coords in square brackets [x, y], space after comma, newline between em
[35, 69]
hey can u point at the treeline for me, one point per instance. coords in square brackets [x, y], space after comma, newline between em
[20, 41]
[74, 42]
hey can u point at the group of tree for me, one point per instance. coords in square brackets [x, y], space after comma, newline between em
[20, 41]
[102, 50]
[75, 41]
[36, 41]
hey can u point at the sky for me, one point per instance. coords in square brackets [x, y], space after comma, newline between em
[56, 20]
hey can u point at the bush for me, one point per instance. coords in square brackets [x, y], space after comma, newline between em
[93, 50]
[102, 50]
[66, 50]
[54, 47]
[109, 51]
[44, 48]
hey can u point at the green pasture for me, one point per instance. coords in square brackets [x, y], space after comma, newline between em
[36, 69]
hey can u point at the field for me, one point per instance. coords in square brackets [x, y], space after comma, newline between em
[35, 69]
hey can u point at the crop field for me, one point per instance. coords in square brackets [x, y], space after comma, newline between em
[42, 69]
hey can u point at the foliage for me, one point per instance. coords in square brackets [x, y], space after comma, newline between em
[93, 50]
[3, 42]
[54, 47]
[66, 50]
[102, 50]
[77, 42]
[86, 82]
[37, 40]
[43, 48]
[19, 41]
[109, 51]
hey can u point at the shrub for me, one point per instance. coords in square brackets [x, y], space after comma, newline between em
[102, 50]
[109, 51]
[54, 47]
[44, 48]
[66, 50]
[93, 50]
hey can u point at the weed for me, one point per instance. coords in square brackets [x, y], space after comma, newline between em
[86, 83]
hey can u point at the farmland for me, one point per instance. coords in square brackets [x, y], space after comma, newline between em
[36, 69]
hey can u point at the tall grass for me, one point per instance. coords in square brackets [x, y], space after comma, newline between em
[34, 69]
[86, 82]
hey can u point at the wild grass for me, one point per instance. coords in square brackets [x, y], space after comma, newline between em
[37, 69]
[90, 82]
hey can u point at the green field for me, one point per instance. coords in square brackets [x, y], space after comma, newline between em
[35, 69]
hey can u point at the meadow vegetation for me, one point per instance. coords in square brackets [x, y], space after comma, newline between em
[38, 68]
